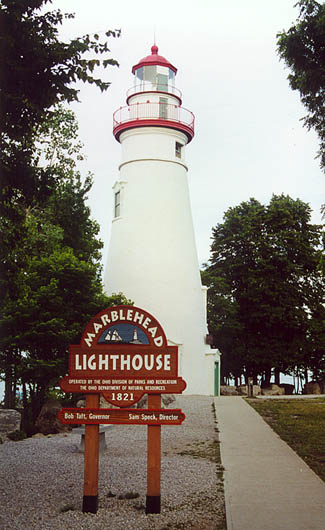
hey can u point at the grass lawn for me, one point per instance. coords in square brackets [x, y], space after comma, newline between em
[300, 423]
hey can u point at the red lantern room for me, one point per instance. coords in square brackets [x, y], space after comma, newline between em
[154, 100]
[155, 73]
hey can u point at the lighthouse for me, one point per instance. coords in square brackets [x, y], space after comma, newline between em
[152, 256]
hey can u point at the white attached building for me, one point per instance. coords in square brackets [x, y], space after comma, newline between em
[152, 255]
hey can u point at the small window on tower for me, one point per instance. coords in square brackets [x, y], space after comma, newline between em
[163, 108]
[178, 150]
[117, 204]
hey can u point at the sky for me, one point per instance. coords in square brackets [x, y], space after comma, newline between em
[249, 139]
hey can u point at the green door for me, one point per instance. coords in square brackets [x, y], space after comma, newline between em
[216, 378]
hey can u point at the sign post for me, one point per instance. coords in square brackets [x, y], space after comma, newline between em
[153, 460]
[123, 355]
[91, 461]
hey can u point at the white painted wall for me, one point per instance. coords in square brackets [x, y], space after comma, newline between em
[152, 97]
[149, 143]
[152, 252]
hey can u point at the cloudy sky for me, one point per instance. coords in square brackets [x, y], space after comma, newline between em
[249, 139]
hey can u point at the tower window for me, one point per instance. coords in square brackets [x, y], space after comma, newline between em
[117, 204]
[178, 150]
[163, 112]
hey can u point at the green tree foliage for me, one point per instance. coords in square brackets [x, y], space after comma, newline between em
[56, 288]
[302, 48]
[58, 148]
[58, 294]
[266, 290]
[37, 71]
[48, 238]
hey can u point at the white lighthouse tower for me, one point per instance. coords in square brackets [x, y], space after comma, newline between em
[152, 255]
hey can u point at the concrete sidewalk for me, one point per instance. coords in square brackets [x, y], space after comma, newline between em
[267, 486]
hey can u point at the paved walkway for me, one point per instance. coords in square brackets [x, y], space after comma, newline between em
[267, 486]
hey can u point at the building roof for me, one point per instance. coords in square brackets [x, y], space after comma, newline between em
[153, 59]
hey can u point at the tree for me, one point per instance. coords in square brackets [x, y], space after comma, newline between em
[58, 294]
[37, 71]
[59, 148]
[302, 48]
[57, 287]
[224, 324]
[264, 275]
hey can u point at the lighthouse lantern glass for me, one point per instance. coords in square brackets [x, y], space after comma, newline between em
[138, 75]
[155, 78]
[150, 73]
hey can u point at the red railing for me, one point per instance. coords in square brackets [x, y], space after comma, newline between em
[160, 111]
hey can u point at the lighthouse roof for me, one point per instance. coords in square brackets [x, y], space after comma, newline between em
[153, 59]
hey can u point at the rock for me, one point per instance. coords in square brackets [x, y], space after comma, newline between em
[47, 421]
[228, 391]
[166, 400]
[243, 390]
[103, 404]
[272, 390]
[102, 445]
[312, 388]
[288, 389]
[9, 421]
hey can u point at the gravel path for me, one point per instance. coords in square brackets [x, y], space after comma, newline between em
[41, 479]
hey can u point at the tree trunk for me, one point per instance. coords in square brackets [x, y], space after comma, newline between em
[9, 399]
[267, 377]
[25, 422]
[276, 376]
[37, 397]
[306, 375]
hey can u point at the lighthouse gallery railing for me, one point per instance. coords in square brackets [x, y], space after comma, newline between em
[146, 86]
[159, 111]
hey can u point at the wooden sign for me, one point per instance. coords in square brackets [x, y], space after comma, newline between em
[123, 392]
[121, 416]
[123, 325]
[123, 361]
[123, 354]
